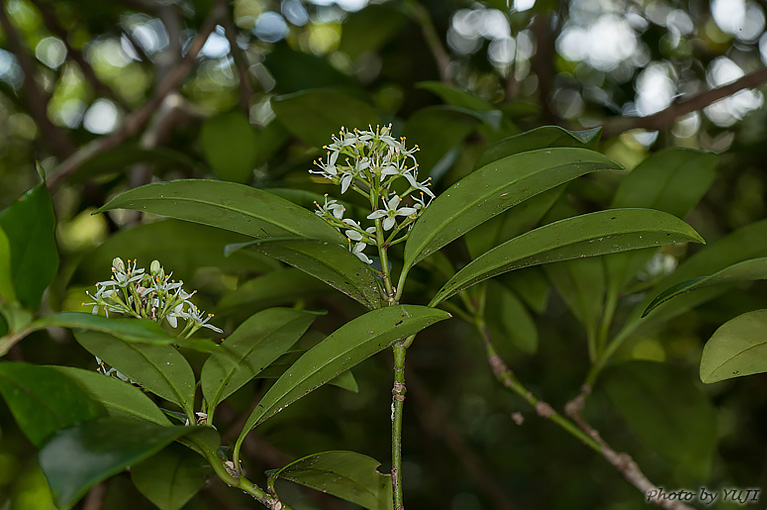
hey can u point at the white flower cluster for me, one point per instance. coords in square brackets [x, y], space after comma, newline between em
[373, 163]
[131, 291]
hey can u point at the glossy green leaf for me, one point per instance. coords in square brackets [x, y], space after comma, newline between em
[350, 476]
[349, 345]
[30, 224]
[253, 346]
[492, 190]
[229, 144]
[43, 401]
[510, 321]
[587, 235]
[160, 369]
[130, 330]
[539, 138]
[671, 180]
[737, 348]
[437, 130]
[7, 292]
[503, 227]
[280, 287]
[172, 477]
[332, 263]
[754, 269]
[119, 398]
[345, 381]
[103, 447]
[226, 205]
[180, 246]
[746, 243]
[315, 115]
[667, 411]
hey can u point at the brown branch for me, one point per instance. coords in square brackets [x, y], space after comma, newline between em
[241, 63]
[621, 461]
[543, 62]
[94, 500]
[139, 117]
[433, 40]
[666, 117]
[434, 419]
[52, 23]
[35, 98]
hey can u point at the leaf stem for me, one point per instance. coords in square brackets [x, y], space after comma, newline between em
[398, 403]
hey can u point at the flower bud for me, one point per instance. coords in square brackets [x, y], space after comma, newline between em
[118, 264]
[155, 268]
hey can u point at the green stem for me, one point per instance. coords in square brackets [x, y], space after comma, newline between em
[611, 302]
[270, 501]
[398, 403]
[390, 294]
[506, 377]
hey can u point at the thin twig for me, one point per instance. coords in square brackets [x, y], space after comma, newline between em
[397, 406]
[139, 117]
[580, 429]
[543, 62]
[623, 462]
[52, 23]
[666, 117]
[36, 98]
[434, 418]
[433, 40]
[241, 63]
[94, 500]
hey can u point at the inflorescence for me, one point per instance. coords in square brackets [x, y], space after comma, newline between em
[134, 292]
[373, 163]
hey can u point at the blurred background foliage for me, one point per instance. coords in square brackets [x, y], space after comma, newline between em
[270, 84]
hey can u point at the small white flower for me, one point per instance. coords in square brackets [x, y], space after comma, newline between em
[358, 251]
[420, 186]
[390, 212]
[332, 207]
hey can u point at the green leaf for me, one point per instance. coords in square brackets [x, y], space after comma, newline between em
[332, 263]
[368, 29]
[580, 282]
[30, 223]
[671, 180]
[172, 477]
[437, 130]
[7, 293]
[43, 401]
[510, 319]
[668, 412]
[456, 96]
[160, 369]
[180, 246]
[746, 243]
[253, 346]
[119, 398]
[103, 447]
[130, 330]
[587, 235]
[754, 269]
[349, 345]
[531, 285]
[539, 138]
[297, 70]
[314, 115]
[280, 287]
[226, 205]
[350, 476]
[229, 144]
[346, 381]
[737, 348]
[492, 190]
